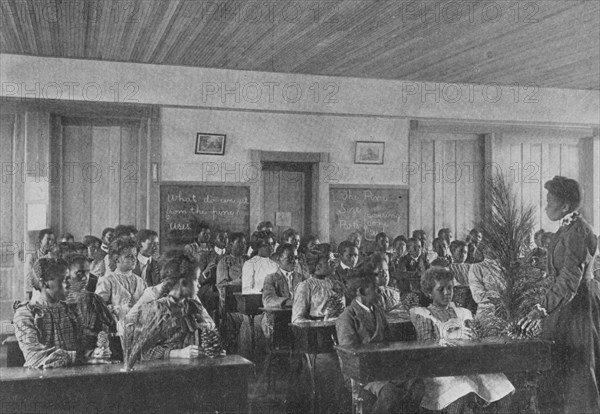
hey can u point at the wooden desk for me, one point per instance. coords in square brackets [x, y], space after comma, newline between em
[319, 337]
[249, 304]
[178, 385]
[282, 317]
[227, 297]
[280, 341]
[405, 360]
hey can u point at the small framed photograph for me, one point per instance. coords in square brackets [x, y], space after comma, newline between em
[369, 152]
[211, 144]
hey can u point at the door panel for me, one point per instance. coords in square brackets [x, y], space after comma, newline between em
[105, 190]
[285, 190]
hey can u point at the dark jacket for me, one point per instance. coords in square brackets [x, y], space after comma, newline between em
[358, 326]
[276, 290]
[152, 273]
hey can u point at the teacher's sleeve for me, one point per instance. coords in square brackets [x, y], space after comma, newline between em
[578, 245]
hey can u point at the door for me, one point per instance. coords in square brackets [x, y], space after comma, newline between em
[106, 178]
[287, 196]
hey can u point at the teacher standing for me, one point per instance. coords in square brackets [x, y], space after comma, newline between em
[570, 311]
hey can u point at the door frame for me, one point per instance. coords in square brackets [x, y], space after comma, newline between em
[319, 188]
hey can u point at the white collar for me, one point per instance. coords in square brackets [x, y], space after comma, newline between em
[143, 259]
[362, 305]
[286, 273]
[569, 218]
[219, 251]
[343, 266]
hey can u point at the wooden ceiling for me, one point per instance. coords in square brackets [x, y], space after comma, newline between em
[549, 43]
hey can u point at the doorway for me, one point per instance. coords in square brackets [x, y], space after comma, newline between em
[288, 195]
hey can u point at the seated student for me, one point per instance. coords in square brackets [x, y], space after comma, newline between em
[279, 287]
[66, 238]
[462, 291]
[147, 267]
[166, 328]
[388, 297]
[46, 241]
[426, 252]
[446, 234]
[48, 329]
[413, 260]
[229, 273]
[315, 298]
[262, 226]
[343, 271]
[87, 278]
[208, 291]
[79, 248]
[399, 246]
[292, 237]
[107, 237]
[440, 247]
[95, 255]
[475, 251]
[382, 242]
[308, 246]
[229, 268]
[411, 267]
[201, 245]
[485, 282]
[538, 256]
[442, 321]
[95, 316]
[122, 231]
[153, 293]
[363, 322]
[121, 288]
[258, 267]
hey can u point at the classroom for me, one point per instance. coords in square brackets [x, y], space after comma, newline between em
[350, 206]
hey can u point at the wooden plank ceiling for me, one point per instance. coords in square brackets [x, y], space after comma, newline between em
[549, 43]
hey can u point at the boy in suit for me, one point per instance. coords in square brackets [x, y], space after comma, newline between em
[279, 287]
[348, 259]
[363, 322]
[147, 267]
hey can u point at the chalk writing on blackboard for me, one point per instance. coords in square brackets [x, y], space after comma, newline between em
[183, 207]
[367, 210]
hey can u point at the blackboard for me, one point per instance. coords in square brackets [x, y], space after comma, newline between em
[183, 206]
[367, 209]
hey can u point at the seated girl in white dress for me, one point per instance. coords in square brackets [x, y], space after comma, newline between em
[442, 321]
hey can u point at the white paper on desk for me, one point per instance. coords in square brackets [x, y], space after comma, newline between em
[36, 217]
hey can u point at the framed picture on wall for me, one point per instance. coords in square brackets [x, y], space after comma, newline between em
[369, 152]
[211, 144]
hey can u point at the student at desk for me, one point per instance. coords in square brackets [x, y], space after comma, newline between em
[259, 266]
[95, 316]
[166, 328]
[364, 322]
[279, 287]
[229, 273]
[342, 273]
[48, 329]
[315, 297]
[442, 321]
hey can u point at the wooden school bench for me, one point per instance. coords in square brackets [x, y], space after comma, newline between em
[405, 360]
[204, 385]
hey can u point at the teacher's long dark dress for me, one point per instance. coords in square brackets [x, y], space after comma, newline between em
[573, 305]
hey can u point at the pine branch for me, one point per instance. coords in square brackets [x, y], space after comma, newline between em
[507, 234]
